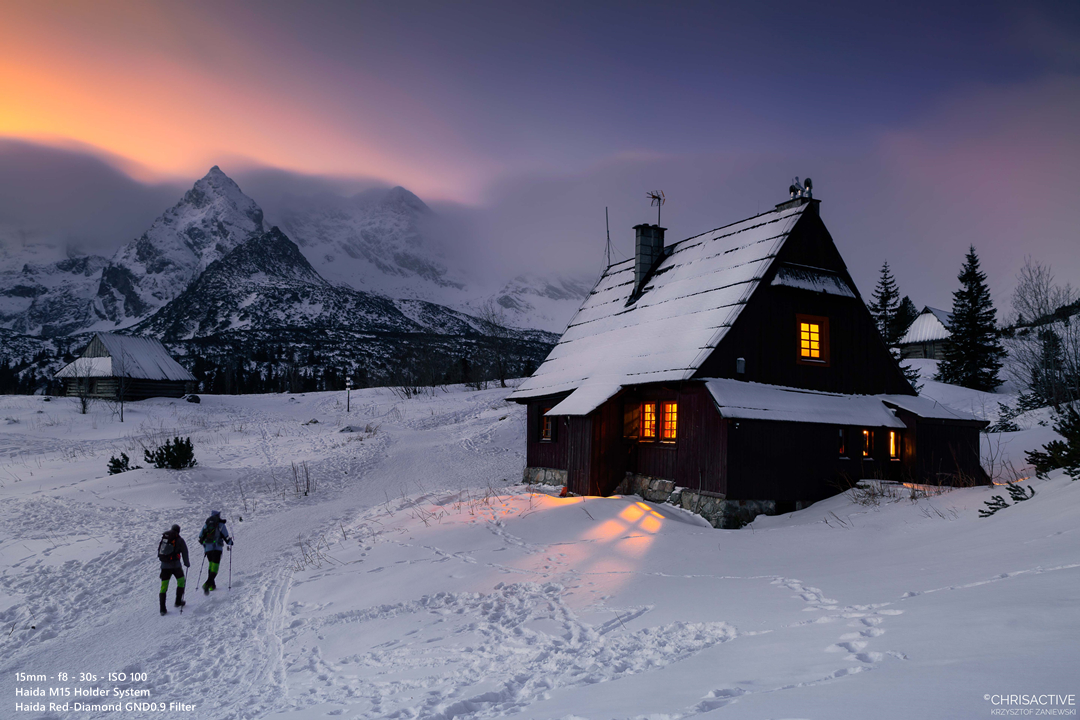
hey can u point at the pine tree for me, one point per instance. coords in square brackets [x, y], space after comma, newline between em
[905, 315]
[973, 354]
[885, 305]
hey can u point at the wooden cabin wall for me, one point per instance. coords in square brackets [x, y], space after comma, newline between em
[108, 388]
[608, 464]
[696, 459]
[765, 334]
[948, 453]
[541, 453]
[789, 462]
[579, 436]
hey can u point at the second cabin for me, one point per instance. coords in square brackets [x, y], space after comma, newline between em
[736, 372]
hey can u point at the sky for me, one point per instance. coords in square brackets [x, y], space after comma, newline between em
[926, 127]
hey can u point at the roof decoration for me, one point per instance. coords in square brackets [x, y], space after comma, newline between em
[704, 282]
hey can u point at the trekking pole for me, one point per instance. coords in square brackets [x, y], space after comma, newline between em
[230, 567]
[199, 581]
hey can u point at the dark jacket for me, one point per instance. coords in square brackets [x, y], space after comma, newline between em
[223, 538]
[175, 564]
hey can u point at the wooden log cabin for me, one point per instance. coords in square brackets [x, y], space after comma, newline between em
[741, 369]
[927, 335]
[122, 367]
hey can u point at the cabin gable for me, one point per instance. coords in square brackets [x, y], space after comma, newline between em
[807, 280]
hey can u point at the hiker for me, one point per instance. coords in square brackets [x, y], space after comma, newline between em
[171, 550]
[214, 537]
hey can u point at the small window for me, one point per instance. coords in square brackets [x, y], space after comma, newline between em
[669, 417]
[813, 339]
[843, 444]
[648, 421]
[894, 445]
[868, 443]
[547, 425]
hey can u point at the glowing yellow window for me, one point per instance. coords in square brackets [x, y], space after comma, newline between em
[669, 416]
[810, 340]
[894, 445]
[868, 443]
[813, 339]
[648, 421]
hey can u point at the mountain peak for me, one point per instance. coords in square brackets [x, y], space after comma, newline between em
[402, 200]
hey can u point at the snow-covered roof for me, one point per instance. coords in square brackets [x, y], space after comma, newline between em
[810, 278]
[925, 407]
[134, 357]
[695, 294]
[931, 324]
[756, 401]
[87, 368]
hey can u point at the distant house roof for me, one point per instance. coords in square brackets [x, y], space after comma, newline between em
[139, 358]
[931, 324]
[693, 297]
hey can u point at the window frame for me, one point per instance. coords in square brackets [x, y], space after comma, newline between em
[895, 446]
[546, 426]
[868, 444]
[663, 437]
[825, 360]
[645, 417]
[843, 455]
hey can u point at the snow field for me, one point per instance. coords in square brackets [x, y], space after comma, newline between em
[419, 581]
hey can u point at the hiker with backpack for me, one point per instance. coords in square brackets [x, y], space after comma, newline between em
[214, 537]
[171, 550]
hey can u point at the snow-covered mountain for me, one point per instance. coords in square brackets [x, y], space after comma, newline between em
[385, 241]
[546, 302]
[51, 299]
[373, 241]
[265, 282]
[378, 242]
[209, 221]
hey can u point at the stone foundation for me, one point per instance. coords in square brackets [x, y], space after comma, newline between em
[544, 476]
[714, 507]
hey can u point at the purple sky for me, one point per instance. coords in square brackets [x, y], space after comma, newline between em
[925, 126]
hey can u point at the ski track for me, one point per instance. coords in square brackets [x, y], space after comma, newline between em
[198, 649]
[468, 654]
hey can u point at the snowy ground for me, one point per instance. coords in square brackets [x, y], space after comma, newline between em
[418, 580]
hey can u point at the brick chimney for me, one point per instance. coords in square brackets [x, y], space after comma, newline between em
[648, 251]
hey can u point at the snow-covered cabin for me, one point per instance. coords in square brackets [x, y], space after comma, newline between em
[742, 366]
[122, 367]
[927, 335]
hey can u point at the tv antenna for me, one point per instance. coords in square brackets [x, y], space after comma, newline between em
[656, 198]
[607, 224]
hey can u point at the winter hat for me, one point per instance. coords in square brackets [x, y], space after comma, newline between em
[175, 529]
[215, 513]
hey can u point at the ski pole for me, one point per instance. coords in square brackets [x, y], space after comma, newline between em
[199, 581]
[230, 567]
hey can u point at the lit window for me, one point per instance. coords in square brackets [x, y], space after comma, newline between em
[868, 443]
[669, 415]
[648, 421]
[894, 445]
[810, 340]
[547, 425]
[813, 339]
[842, 447]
